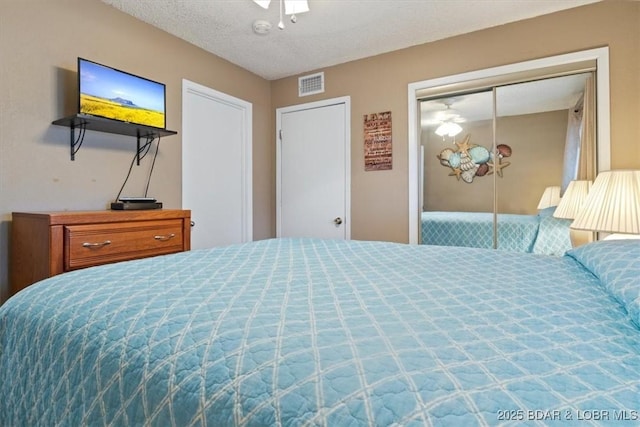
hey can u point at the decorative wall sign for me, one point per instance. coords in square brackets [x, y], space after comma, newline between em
[377, 141]
[471, 160]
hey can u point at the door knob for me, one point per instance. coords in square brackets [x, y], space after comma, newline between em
[337, 221]
[193, 223]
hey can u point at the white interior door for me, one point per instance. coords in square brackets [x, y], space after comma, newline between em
[313, 170]
[216, 166]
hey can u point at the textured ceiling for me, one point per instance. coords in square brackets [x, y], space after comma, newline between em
[333, 32]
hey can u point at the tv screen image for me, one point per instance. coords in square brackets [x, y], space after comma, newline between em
[114, 94]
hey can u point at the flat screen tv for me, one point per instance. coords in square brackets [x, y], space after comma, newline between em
[117, 95]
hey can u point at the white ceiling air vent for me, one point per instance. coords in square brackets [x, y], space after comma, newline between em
[311, 84]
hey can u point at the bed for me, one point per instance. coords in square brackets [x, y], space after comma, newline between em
[541, 233]
[338, 333]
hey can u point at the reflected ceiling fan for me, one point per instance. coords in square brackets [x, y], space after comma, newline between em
[291, 7]
[449, 119]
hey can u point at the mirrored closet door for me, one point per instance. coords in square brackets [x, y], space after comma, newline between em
[497, 158]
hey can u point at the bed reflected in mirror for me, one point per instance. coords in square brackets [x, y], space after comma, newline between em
[490, 156]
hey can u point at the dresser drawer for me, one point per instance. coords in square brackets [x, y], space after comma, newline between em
[44, 244]
[95, 244]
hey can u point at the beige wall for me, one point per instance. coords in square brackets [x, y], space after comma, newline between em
[40, 40]
[537, 142]
[380, 199]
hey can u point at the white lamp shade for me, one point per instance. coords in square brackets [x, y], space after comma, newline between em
[550, 197]
[448, 128]
[573, 199]
[613, 204]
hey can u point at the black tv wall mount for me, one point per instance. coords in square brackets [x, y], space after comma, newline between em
[83, 122]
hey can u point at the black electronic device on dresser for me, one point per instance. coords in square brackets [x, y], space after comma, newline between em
[135, 204]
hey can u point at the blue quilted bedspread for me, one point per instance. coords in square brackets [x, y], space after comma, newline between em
[310, 332]
[542, 234]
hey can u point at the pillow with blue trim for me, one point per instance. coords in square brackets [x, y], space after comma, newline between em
[553, 236]
[617, 264]
[547, 211]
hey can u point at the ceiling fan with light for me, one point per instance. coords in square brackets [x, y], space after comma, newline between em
[291, 7]
[449, 120]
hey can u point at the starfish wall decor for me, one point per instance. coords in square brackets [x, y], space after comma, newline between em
[470, 160]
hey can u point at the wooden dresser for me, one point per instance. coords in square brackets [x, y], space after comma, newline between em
[44, 244]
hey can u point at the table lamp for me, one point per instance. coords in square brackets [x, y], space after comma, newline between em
[612, 205]
[550, 197]
[571, 203]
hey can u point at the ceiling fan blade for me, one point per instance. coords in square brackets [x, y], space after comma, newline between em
[262, 3]
[292, 7]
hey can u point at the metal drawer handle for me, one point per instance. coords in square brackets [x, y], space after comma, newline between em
[165, 238]
[96, 245]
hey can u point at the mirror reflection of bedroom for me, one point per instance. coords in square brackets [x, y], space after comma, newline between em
[496, 160]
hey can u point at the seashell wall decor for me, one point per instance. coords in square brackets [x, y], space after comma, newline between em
[471, 160]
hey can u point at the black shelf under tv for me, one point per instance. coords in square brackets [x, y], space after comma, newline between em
[99, 124]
